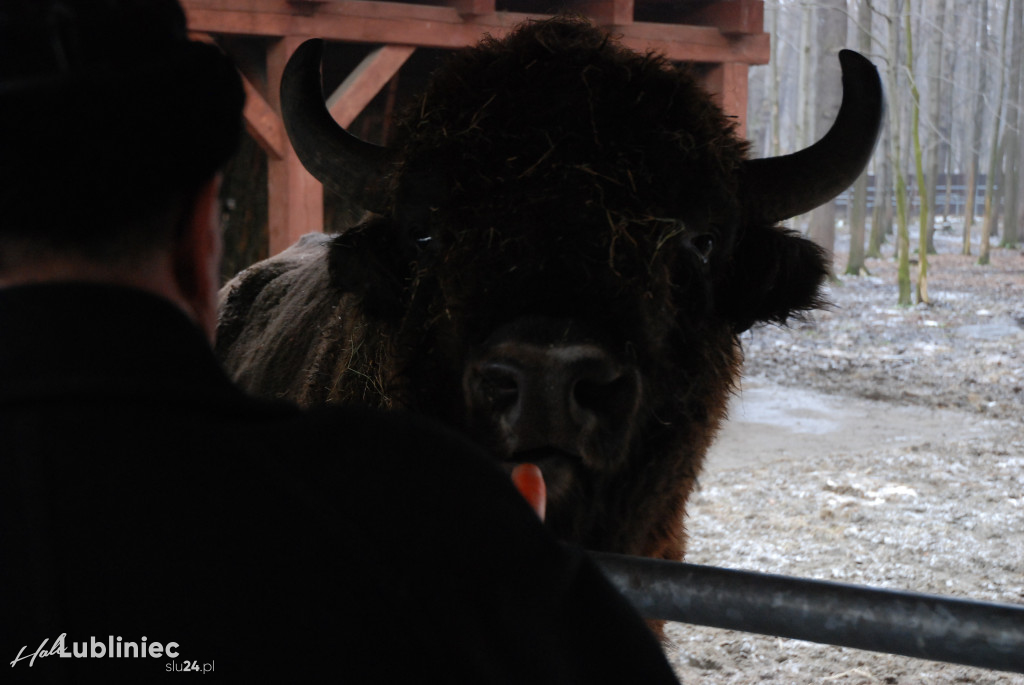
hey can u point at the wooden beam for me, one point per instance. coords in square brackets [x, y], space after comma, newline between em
[695, 43]
[365, 81]
[362, 21]
[727, 83]
[263, 123]
[306, 7]
[295, 199]
[605, 12]
[730, 16]
[472, 8]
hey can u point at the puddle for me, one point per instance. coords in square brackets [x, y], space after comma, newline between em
[992, 331]
[768, 422]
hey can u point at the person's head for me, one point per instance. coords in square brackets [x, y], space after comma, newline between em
[113, 127]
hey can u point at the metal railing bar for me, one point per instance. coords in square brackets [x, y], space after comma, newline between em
[983, 634]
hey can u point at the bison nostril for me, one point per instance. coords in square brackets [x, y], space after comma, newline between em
[498, 386]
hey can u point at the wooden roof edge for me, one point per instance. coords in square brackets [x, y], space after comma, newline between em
[394, 23]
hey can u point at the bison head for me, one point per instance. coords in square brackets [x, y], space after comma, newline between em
[567, 240]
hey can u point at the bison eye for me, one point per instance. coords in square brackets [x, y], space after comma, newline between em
[415, 234]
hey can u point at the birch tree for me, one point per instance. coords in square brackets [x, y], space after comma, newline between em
[921, 292]
[900, 190]
[775, 126]
[806, 92]
[830, 39]
[881, 217]
[994, 159]
[976, 126]
[858, 204]
[934, 116]
[1013, 147]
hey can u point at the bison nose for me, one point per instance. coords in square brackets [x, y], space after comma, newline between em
[575, 398]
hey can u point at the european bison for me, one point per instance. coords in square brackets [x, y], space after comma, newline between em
[566, 241]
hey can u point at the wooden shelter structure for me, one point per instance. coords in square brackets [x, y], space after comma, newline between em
[726, 36]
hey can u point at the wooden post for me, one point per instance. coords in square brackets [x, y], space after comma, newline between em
[295, 199]
[263, 123]
[727, 83]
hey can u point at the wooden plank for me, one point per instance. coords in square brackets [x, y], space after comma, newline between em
[295, 199]
[676, 42]
[443, 27]
[695, 43]
[306, 6]
[472, 8]
[730, 16]
[277, 9]
[263, 123]
[363, 84]
[604, 12]
[727, 83]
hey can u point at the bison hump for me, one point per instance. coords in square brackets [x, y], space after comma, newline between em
[271, 315]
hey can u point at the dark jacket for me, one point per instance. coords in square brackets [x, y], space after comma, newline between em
[144, 499]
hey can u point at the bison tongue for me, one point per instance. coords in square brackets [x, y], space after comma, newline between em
[530, 483]
[557, 467]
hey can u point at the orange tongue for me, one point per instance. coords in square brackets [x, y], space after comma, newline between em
[530, 483]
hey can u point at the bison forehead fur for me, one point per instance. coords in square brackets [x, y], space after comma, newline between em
[562, 262]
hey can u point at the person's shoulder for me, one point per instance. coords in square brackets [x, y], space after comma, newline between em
[374, 444]
[412, 463]
[378, 429]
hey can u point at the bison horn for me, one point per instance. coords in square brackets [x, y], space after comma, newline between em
[346, 165]
[777, 188]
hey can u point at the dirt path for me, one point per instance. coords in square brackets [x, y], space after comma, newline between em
[813, 485]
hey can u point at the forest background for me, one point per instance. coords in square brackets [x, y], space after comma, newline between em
[951, 141]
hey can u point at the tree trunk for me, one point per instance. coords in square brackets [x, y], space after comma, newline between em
[830, 39]
[858, 204]
[921, 293]
[1013, 148]
[1019, 220]
[858, 219]
[947, 172]
[933, 114]
[881, 217]
[775, 93]
[902, 233]
[995, 159]
[804, 132]
[951, 161]
[975, 127]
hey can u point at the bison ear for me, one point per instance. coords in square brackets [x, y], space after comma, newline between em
[369, 262]
[776, 274]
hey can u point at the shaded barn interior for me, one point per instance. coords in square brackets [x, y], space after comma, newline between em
[380, 53]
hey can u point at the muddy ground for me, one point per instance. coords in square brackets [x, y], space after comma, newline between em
[875, 445]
